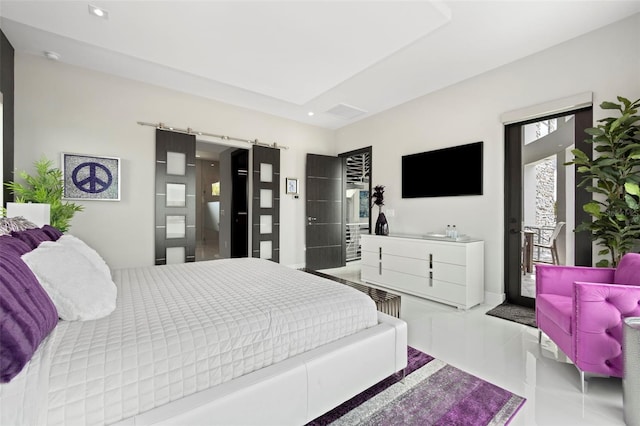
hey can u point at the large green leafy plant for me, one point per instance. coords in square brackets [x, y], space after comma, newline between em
[614, 179]
[45, 186]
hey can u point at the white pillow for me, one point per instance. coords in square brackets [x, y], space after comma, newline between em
[81, 247]
[77, 288]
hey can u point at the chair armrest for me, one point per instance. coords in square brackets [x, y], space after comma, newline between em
[557, 279]
[598, 313]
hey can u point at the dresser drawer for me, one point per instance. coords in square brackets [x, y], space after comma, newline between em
[369, 258]
[450, 273]
[420, 286]
[416, 249]
[444, 253]
[441, 271]
[407, 265]
[394, 263]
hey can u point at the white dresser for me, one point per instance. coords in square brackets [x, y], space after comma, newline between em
[442, 270]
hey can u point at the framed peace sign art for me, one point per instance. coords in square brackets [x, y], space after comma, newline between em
[88, 177]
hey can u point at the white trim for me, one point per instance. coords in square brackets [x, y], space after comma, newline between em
[557, 106]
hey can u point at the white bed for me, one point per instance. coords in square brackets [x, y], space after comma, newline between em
[242, 341]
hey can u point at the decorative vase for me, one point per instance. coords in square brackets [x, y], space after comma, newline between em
[382, 227]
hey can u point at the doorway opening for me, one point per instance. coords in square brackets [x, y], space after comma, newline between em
[207, 209]
[221, 185]
[357, 169]
[238, 205]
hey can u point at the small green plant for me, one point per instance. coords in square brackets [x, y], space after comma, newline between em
[45, 186]
[614, 177]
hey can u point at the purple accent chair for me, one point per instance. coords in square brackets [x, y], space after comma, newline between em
[581, 310]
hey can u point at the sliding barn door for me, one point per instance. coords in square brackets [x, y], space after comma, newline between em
[266, 203]
[175, 218]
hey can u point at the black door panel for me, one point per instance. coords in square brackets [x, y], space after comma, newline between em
[324, 211]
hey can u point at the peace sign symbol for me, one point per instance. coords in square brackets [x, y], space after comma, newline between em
[91, 177]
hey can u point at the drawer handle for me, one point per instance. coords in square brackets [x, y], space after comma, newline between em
[380, 253]
[430, 260]
[379, 268]
[430, 278]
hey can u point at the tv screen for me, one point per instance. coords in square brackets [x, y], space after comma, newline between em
[444, 172]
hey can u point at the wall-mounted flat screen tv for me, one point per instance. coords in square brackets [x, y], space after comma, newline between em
[447, 172]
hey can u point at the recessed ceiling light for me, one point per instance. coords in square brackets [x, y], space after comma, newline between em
[53, 56]
[99, 12]
[310, 113]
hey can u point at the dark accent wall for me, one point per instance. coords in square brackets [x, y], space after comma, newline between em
[6, 87]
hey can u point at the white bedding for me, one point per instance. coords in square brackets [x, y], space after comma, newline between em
[177, 330]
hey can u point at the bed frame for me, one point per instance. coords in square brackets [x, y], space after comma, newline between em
[296, 390]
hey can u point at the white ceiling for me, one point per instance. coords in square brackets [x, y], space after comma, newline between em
[290, 57]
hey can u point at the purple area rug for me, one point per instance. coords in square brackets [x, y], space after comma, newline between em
[433, 393]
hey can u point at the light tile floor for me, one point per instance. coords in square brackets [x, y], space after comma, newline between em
[508, 355]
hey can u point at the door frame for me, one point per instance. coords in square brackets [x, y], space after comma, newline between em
[583, 119]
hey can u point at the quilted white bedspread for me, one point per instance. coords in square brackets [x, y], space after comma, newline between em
[177, 330]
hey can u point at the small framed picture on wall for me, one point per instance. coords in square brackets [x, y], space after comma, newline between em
[291, 185]
[90, 177]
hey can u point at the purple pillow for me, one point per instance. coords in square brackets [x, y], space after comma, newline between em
[33, 237]
[628, 270]
[28, 315]
[13, 245]
[53, 233]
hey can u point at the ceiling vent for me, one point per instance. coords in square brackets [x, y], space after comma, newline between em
[346, 111]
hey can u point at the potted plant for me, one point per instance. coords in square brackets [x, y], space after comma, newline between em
[614, 178]
[45, 187]
[382, 227]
